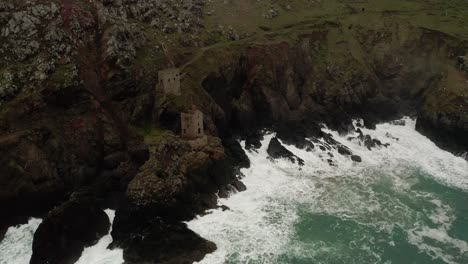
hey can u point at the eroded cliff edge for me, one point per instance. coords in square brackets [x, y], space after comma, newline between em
[81, 121]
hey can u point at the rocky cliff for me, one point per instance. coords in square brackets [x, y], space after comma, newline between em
[335, 72]
[81, 120]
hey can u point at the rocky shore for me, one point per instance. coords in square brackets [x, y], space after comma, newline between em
[82, 127]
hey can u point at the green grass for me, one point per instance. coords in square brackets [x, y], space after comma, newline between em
[151, 134]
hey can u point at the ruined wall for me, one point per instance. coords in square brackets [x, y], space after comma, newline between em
[192, 125]
[169, 80]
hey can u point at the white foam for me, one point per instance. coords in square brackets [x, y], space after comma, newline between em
[99, 253]
[413, 149]
[16, 247]
[260, 227]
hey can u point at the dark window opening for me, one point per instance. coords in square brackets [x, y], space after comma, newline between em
[199, 131]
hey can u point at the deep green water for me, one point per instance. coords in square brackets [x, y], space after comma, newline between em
[405, 204]
[426, 223]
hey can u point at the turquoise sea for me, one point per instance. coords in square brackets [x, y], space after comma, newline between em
[405, 204]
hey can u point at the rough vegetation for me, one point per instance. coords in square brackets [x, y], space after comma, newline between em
[80, 118]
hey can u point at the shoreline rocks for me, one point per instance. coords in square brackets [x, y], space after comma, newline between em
[58, 137]
[67, 230]
[277, 151]
[174, 185]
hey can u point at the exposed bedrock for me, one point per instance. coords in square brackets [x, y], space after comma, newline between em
[110, 138]
[276, 151]
[176, 183]
[67, 230]
[147, 238]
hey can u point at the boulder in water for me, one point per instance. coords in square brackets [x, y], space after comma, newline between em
[67, 230]
[343, 150]
[356, 158]
[147, 238]
[398, 123]
[370, 142]
[278, 151]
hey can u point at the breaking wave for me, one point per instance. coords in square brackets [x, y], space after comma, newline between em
[404, 203]
[99, 253]
[16, 247]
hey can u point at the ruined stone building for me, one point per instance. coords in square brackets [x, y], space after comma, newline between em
[169, 81]
[192, 128]
[192, 124]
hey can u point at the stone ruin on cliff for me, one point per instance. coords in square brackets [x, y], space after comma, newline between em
[192, 128]
[169, 81]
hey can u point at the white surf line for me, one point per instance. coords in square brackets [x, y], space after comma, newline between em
[250, 232]
[99, 253]
[261, 219]
[408, 146]
[16, 247]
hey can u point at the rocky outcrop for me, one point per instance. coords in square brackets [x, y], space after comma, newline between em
[356, 158]
[157, 240]
[56, 130]
[277, 151]
[67, 230]
[450, 132]
[319, 77]
[174, 185]
[77, 100]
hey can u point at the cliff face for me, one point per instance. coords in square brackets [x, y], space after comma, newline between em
[80, 119]
[336, 72]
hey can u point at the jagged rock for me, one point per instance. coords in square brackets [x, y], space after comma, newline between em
[240, 186]
[252, 140]
[370, 143]
[67, 230]
[398, 122]
[297, 134]
[356, 158]
[157, 240]
[277, 151]
[174, 185]
[281, 79]
[343, 150]
[234, 150]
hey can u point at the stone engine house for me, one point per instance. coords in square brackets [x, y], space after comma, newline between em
[169, 80]
[192, 124]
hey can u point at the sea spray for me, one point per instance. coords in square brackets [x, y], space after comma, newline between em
[16, 246]
[404, 203]
[99, 253]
